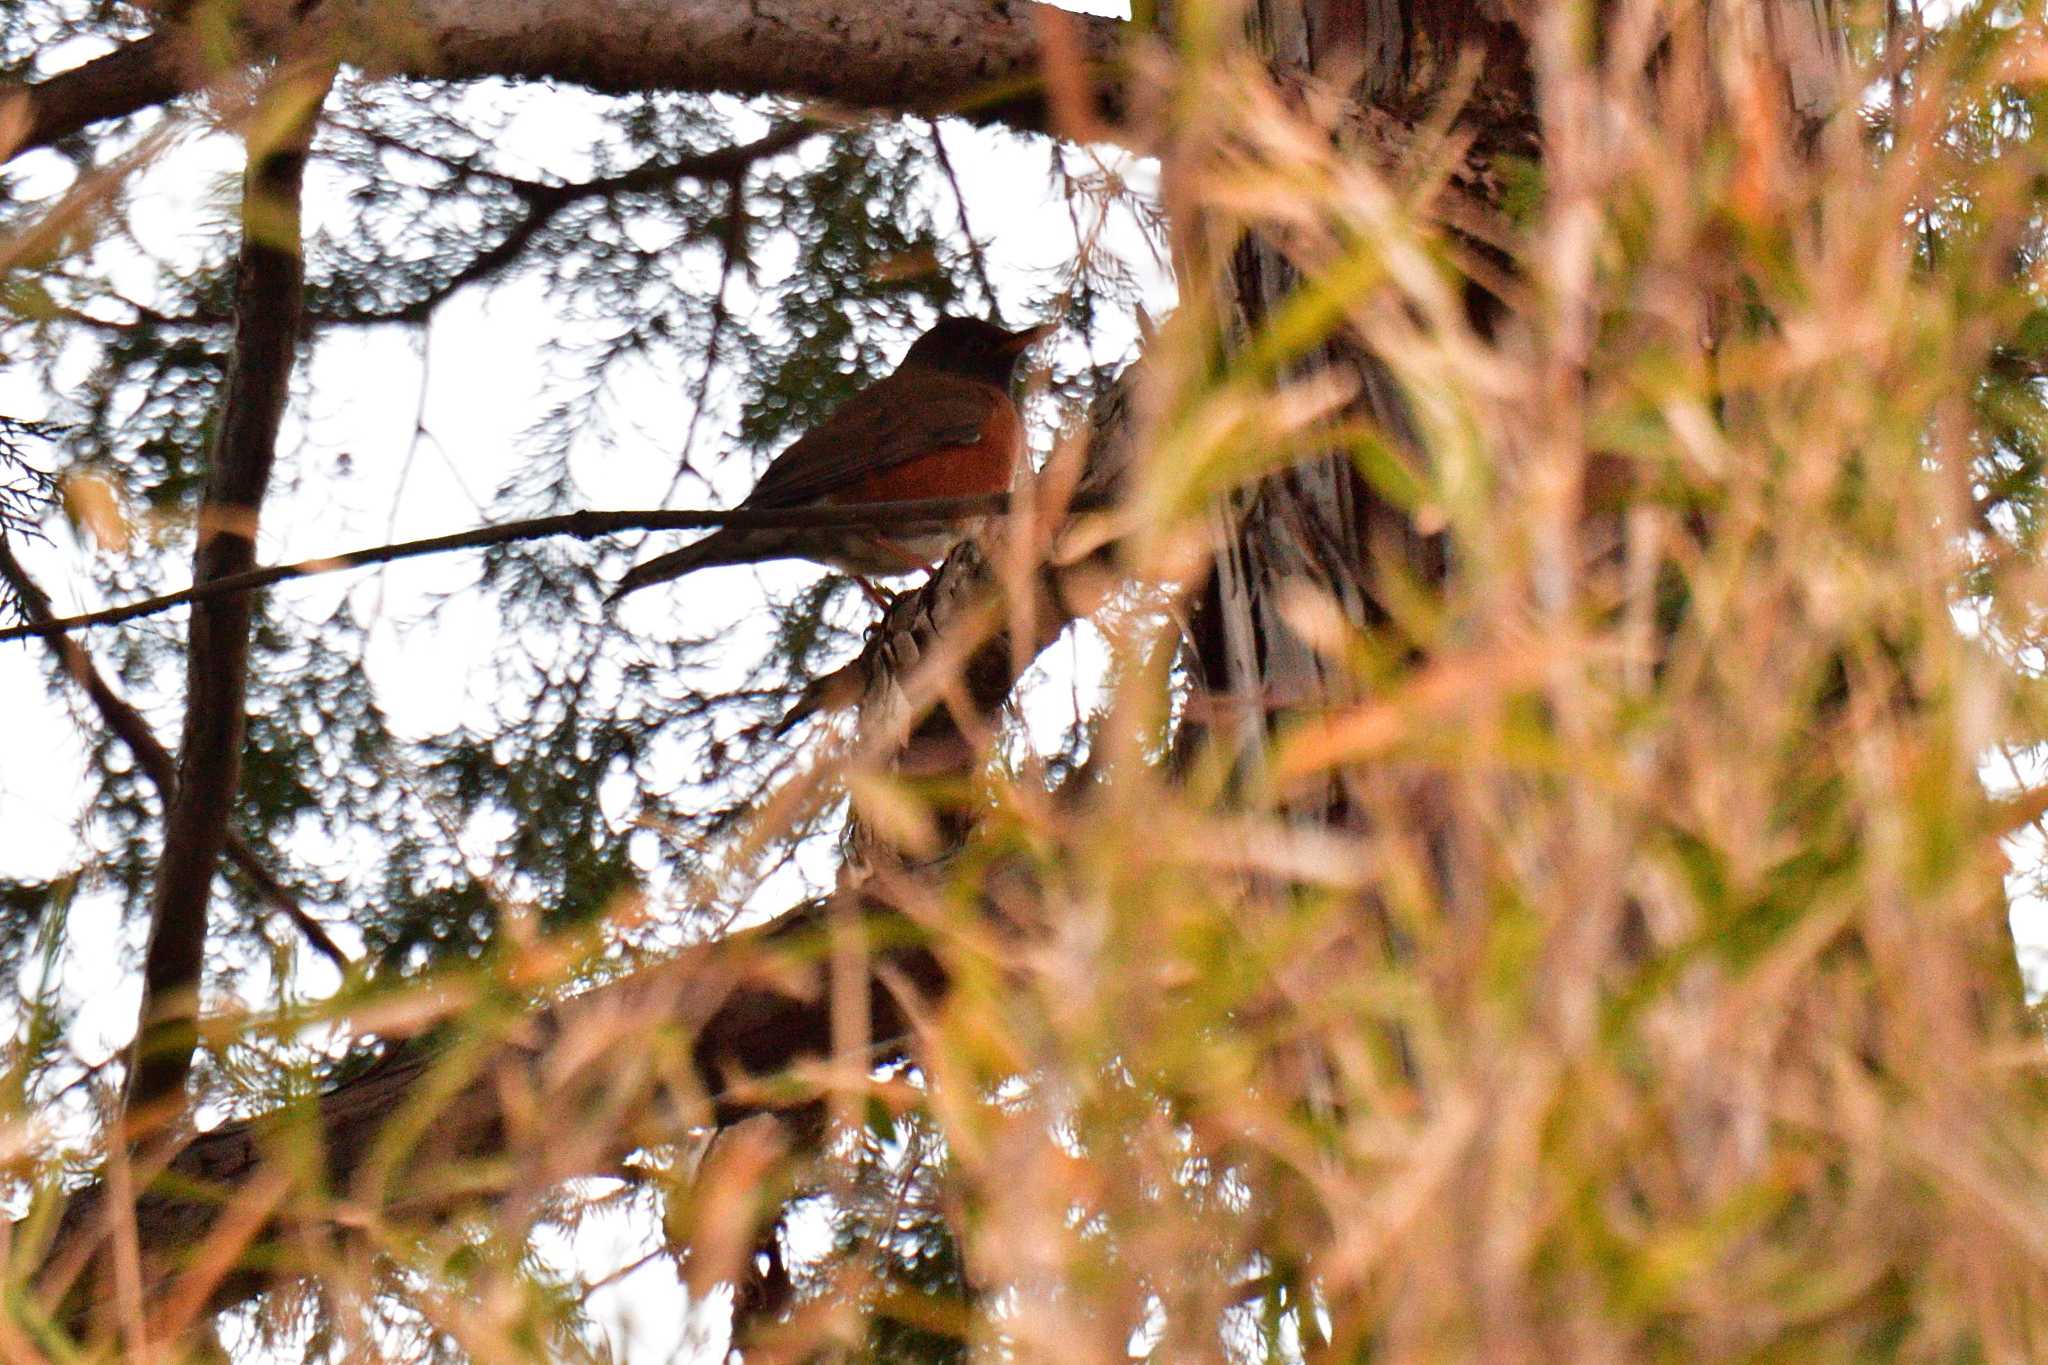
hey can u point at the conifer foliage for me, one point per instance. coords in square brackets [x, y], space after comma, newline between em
[1468, 808]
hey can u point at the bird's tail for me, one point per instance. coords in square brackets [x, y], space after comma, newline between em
[729, 546]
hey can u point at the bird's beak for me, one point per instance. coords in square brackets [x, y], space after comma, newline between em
[1020, 342]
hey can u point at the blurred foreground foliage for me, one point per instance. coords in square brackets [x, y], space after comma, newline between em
[1606, 959]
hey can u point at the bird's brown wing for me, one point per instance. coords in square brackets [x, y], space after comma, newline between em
[894, 420]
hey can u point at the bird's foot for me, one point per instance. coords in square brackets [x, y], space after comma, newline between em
[881, 598]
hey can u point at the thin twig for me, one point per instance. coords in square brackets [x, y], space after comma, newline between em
[732, 240]
[585, 525]
[546, 201]
[974, 251]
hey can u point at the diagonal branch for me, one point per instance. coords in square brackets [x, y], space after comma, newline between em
[125, 81]
[975, 255]
[269, 293]
[157, 763]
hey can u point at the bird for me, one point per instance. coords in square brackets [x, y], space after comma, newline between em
[941, 425]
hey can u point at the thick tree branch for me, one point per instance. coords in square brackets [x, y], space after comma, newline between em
[269, 293]
[742, 1003]
[979, 58]
[125, 81]
[156, 762]
[752, 1006]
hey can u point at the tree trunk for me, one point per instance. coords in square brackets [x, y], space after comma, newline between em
[1319, 529]
[1319, 526]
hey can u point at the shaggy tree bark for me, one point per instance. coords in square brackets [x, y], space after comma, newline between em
[1319, 525]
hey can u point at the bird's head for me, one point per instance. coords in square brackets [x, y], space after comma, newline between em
[973, 348]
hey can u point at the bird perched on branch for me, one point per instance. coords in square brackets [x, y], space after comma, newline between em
[943, 425]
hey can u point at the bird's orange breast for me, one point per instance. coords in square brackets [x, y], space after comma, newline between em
[987, 465]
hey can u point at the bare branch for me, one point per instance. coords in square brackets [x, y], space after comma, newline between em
[975, 255]
[581, 525]
[960, 56]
